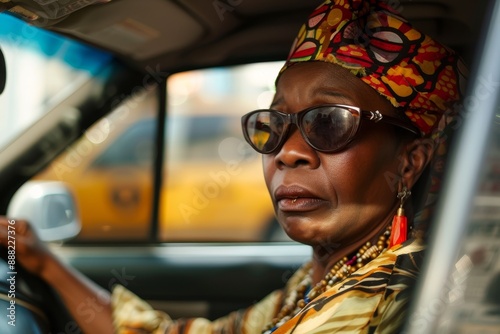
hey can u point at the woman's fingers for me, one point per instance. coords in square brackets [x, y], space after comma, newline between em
[23, 244]
[7, 226]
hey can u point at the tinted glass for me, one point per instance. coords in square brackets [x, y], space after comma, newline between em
[110, 171]
[213, 186]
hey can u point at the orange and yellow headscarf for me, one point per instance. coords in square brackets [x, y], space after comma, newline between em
[368, 37]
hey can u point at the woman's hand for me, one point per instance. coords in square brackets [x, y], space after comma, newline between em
[74, 288]
[30, 251]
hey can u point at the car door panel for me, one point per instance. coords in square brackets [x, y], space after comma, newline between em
[213, 279]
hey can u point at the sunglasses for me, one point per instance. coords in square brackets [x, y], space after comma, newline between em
[327, 128]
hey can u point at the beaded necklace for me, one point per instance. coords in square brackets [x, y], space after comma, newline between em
[297, 299]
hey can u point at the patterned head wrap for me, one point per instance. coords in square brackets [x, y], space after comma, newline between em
[371, 39]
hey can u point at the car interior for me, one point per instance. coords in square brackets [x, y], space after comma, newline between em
[137, 47]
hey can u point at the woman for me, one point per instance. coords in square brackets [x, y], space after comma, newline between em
[359, 113]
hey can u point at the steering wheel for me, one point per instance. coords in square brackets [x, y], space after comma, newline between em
[28, 305]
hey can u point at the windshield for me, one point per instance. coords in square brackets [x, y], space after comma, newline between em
[42, 69]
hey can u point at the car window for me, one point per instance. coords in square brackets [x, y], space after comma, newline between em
[468, 300]
[109, 170]
[476, 276]
[459, 288]
[42, 67]
[212, 188]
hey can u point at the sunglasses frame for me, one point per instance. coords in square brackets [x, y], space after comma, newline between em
[296, 118]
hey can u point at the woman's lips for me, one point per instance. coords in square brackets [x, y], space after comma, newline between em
[296, 199]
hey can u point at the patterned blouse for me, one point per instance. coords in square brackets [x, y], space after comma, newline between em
[374, 299]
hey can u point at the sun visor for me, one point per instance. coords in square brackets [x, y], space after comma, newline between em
[3, 72]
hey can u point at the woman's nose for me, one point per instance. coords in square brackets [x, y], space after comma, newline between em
[296, 152]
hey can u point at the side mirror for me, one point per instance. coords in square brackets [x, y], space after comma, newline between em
[49, 207]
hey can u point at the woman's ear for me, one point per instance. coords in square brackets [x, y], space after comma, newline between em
[416, 156]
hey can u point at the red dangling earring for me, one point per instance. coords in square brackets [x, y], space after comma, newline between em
[400, 222]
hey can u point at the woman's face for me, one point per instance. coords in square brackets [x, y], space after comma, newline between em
[332, 199]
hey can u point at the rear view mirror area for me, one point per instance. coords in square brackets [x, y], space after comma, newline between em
[3, 72]
[50, 208]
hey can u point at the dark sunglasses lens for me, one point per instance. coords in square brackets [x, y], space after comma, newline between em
[329, 128]
[264, 130]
